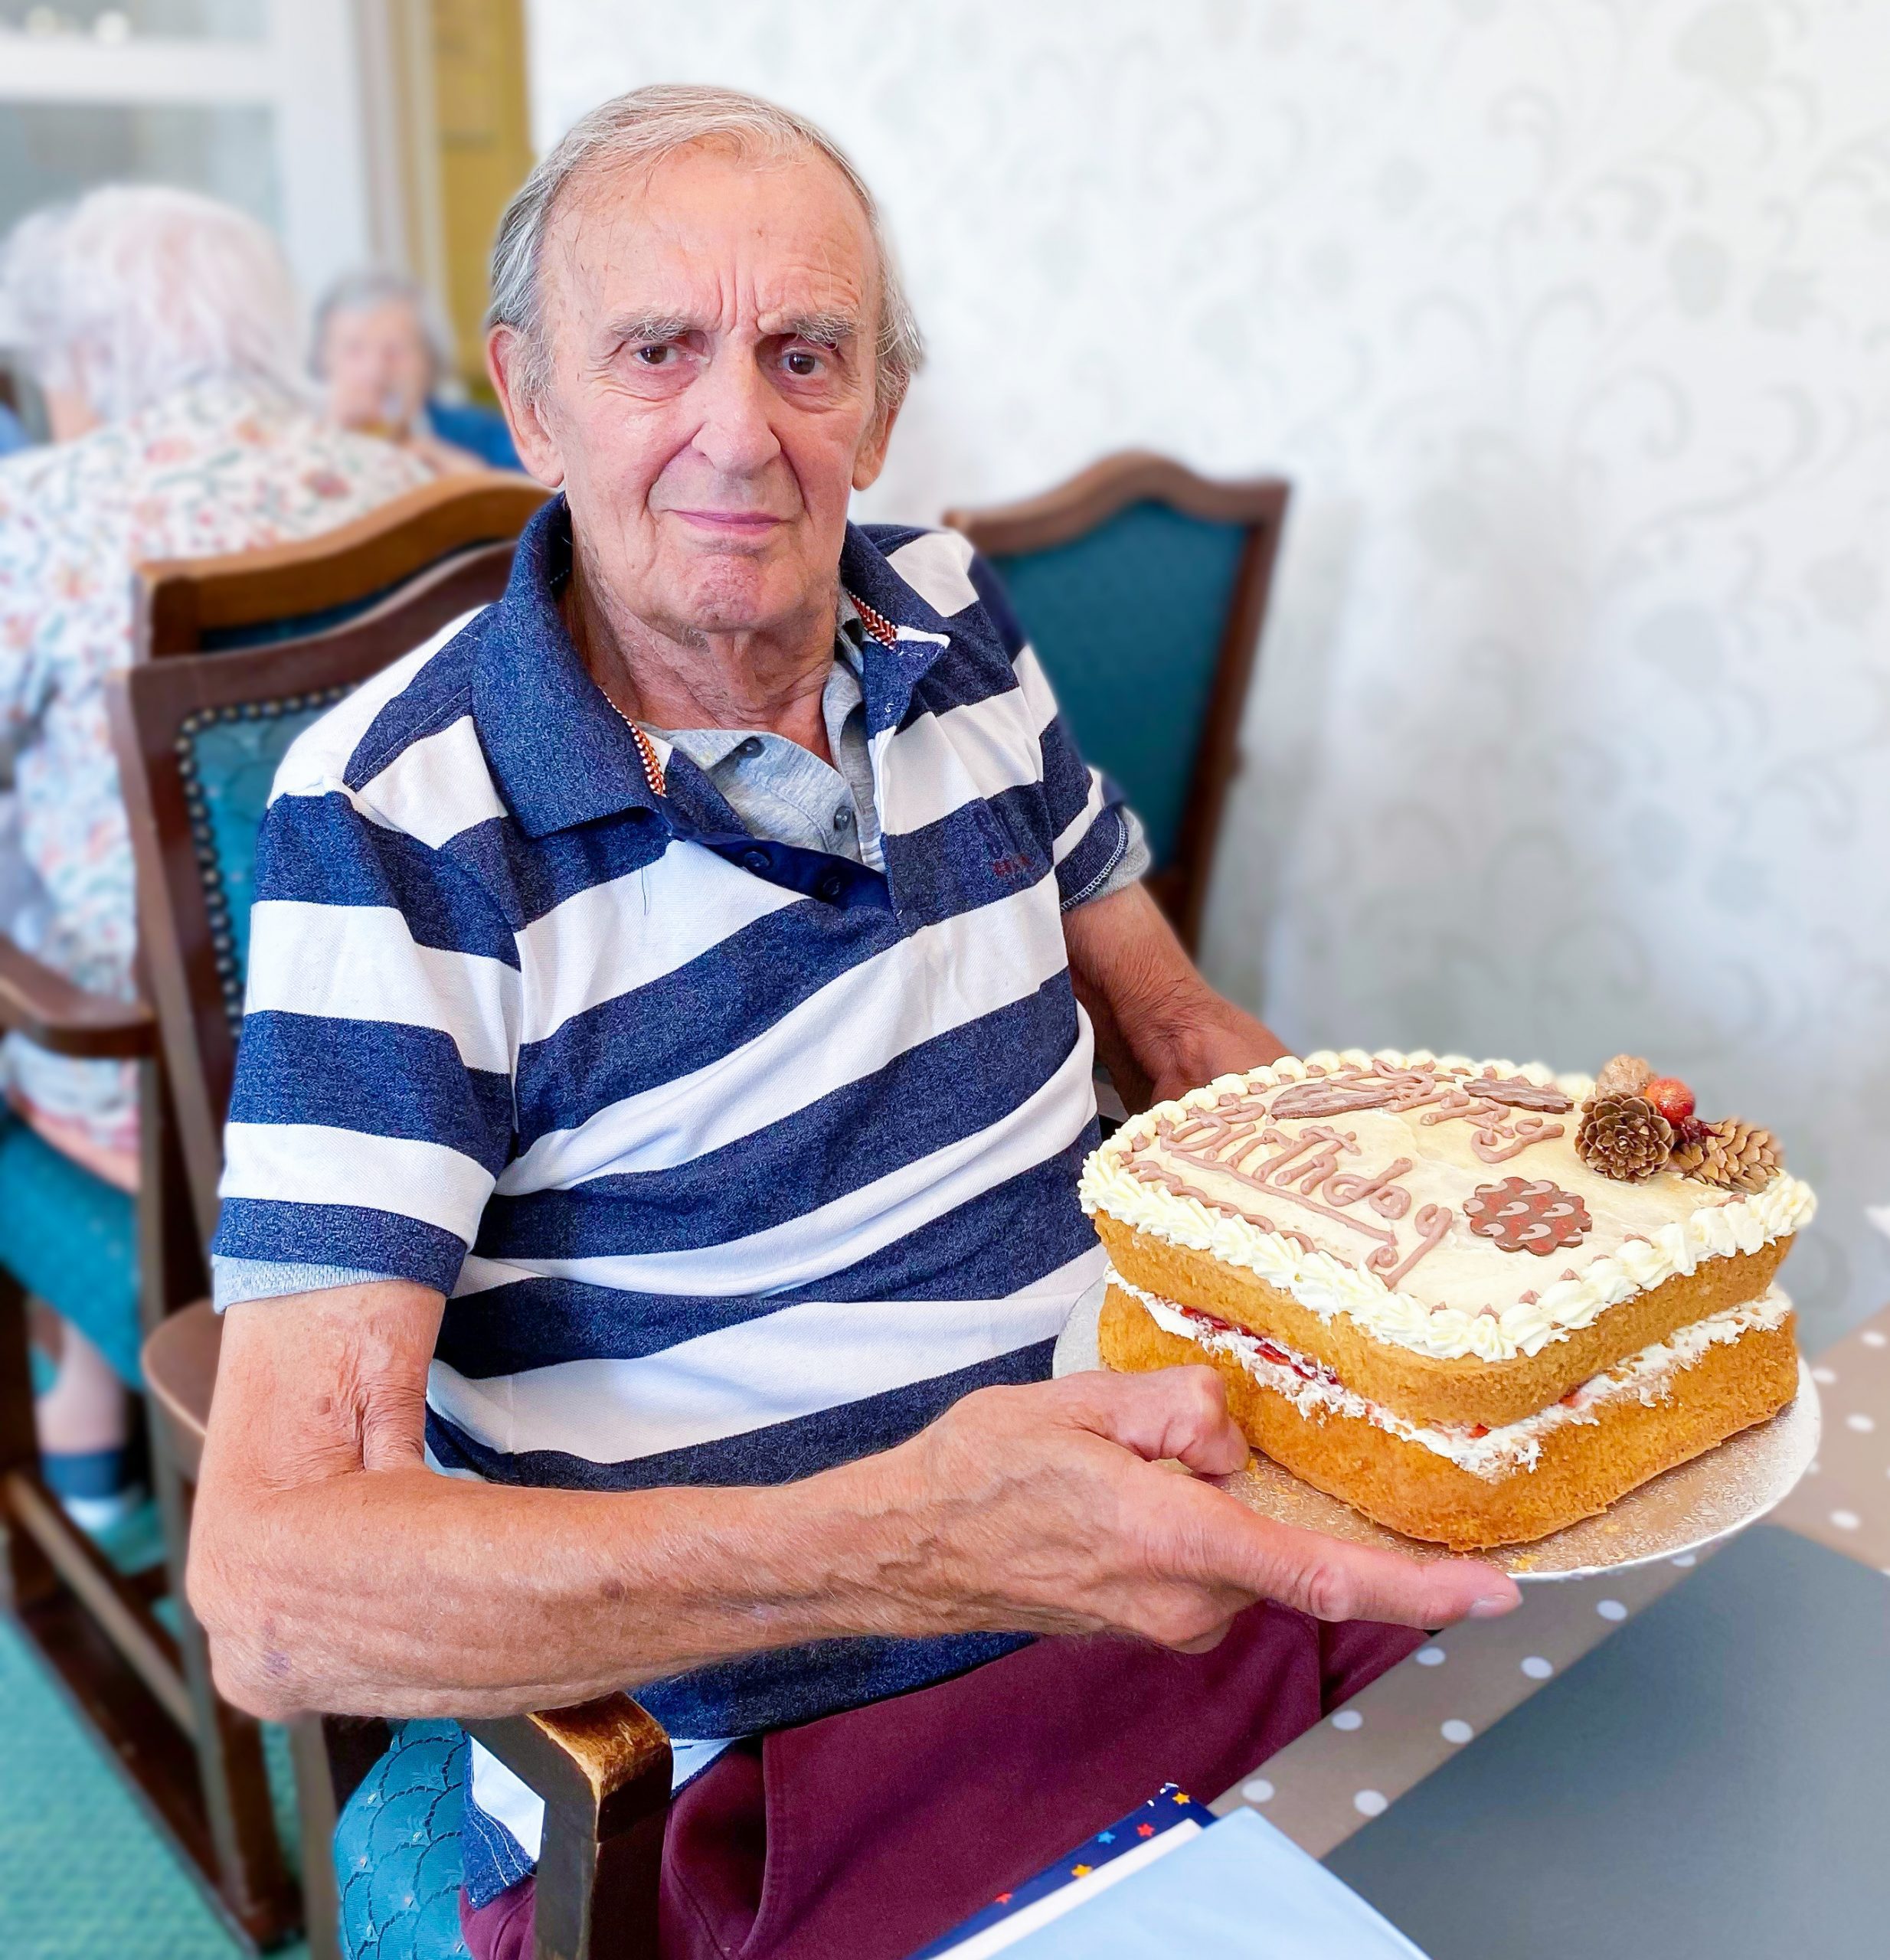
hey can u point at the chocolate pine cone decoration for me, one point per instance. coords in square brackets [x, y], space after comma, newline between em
[1624, 1137]
[1735, 1155]
[1626, 1075]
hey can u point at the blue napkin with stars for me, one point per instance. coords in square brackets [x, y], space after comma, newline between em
[1170, 1877]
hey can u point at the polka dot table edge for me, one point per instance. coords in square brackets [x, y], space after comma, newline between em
[1844, 1502]
[1358, 1762]
[1352, 1766]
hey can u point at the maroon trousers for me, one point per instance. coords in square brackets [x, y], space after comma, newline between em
[869, 1834]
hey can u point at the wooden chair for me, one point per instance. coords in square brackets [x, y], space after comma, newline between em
[1143, 588]
[196, 1764]
[197, 740]
[292, 591]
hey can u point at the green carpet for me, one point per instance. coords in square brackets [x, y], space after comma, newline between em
[82, 1876]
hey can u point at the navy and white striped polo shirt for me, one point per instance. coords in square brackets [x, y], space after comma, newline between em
[735, 1160]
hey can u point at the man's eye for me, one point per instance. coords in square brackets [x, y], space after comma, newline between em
[655, 356]
[799, 361]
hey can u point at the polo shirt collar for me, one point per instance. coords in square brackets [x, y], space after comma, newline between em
[565, 757]
[889, 671]
[562, 753]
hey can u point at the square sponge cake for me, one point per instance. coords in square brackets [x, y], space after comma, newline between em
[1476, 1302]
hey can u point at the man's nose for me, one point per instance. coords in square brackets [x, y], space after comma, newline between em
[736, 434]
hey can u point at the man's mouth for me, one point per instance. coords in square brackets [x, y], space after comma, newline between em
[731, 524]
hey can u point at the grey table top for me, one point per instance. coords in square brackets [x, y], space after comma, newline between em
[1713, 1780]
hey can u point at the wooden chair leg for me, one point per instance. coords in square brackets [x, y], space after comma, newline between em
[134, 1683]
[250, 1873]
[232, 1769]
[26, 1577]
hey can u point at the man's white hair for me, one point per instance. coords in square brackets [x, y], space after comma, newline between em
[136, 291]
[642, 128]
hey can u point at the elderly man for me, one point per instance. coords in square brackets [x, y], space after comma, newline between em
[662, 1094]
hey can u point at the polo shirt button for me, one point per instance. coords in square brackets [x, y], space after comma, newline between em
[841, 818]
[750, 748]
[755, 860]
[829, 887]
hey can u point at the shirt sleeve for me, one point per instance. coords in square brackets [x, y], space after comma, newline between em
[1099, 844]
[372, 1109]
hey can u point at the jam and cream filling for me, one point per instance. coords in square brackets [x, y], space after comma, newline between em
[1316, 1392]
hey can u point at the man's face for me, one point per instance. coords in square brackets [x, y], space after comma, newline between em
[377, 366]
[711, 326]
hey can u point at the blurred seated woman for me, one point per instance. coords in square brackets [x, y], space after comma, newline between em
[162, 330]
[383, 359]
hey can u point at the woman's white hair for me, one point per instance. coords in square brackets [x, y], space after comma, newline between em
[136, 291]
[642, 128]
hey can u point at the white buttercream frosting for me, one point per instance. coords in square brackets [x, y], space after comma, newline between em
[1643, 1233]
[1316, 1392]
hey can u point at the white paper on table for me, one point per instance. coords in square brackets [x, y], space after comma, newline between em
[1240, 1890]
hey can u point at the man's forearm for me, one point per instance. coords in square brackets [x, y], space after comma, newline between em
[333, 1569]
[1150, 1004]
[399, 1591]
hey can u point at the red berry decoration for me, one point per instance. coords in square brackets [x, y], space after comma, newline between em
[1671, 1096]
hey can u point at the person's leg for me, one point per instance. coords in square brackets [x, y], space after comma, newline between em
[886, 1826]
[1354, 1653]
[83, 1423]
[501, 1929]
[871, 1833]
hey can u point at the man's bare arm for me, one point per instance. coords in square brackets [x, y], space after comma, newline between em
[1159, 1027]
[333, 1570]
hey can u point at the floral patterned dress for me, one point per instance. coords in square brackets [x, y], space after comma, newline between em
[216, 467]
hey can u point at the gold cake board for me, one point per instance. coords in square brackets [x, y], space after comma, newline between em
[1686, 1508]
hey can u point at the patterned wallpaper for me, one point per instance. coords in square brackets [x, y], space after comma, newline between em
[1570, 321]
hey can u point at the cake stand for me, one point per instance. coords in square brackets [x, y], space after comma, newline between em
[1679, 1511]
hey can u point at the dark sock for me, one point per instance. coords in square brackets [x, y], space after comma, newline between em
[86, 1473]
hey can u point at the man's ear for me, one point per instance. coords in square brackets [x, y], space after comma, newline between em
[872, 458]
[525, 413]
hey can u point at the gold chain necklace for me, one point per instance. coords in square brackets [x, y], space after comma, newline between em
[876, 623]
[646, 753]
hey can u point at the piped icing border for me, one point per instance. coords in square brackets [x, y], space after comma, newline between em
[1490, 1454]
[1326, 1285]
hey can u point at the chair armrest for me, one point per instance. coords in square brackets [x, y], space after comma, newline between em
[49, 1010]
[179, 1360]
[603, 1770]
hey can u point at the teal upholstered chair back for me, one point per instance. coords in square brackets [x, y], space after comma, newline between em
[66, 1235]
[200, 737]
[226, 758]
[1128, 621]
[1141, 588]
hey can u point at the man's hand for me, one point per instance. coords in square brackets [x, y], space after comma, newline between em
[1045, 1509]
[1159, 1027]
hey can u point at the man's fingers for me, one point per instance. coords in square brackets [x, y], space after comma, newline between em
[1220, 1542]
[1167, 1412]
[1333, 1580]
